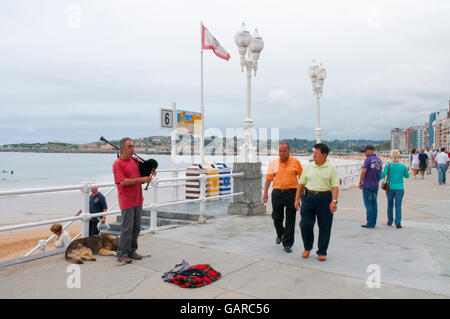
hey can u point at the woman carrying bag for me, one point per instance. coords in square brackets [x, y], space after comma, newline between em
[395, 172]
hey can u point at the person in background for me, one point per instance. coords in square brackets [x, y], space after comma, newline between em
[430, 160]
[442, 161]
[97, 204]
[435, 153]
[62, 237]
[414, 162]
[284, 171]
[423, 163]
[397, 171]
[368, 182]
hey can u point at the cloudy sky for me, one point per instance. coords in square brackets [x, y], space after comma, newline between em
[75, 70]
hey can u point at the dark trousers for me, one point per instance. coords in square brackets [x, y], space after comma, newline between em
[280, 200]
[93, 230]
[129, 231]
[316, 205]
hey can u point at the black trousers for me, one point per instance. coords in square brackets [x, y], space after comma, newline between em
[93, 230]
[316, 205]
[280, 200]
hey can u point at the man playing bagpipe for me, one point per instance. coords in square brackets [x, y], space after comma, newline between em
[129, 179]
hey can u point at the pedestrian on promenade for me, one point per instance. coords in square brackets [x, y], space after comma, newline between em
[414, 162]
[435, 153]
[317, 195]
[430, 160]
[368, 182]
[397, 171]
[129, 189]
[97, 204]
[442, 161]
[284, 172]
[62, 237]
[423, 163]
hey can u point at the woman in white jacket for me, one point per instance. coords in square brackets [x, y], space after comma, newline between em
[62, 237]
[414, 162]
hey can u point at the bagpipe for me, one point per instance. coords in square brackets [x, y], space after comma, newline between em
[146, 167]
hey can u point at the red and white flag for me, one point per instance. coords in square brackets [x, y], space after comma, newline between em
[210, 43]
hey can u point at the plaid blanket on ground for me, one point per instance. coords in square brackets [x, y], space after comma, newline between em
[196, 276]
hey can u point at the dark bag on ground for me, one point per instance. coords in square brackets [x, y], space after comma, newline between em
[196, 276]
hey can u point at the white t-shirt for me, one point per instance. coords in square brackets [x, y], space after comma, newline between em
[63, 241]
[442, 158]
[415, 159]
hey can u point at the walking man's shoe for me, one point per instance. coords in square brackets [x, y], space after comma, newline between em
[367, 226]
[278, 240]
[389, 224]
[305, 253]
[322, 258]
[136, 256]
[398, 226]
[125, 260]
[288, 249]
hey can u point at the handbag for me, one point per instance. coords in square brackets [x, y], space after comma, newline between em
[385, 183]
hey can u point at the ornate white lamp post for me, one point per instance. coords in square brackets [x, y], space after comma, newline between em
[252, 45]
[318, 76]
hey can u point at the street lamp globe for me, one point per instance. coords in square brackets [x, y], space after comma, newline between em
[313, 72]
[242, 38]
[257, 43]
[322, 74]
[320, 79]
[255, 48]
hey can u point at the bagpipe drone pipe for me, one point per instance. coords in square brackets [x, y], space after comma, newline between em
[146, 167]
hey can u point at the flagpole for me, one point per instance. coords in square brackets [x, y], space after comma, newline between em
[202, 109]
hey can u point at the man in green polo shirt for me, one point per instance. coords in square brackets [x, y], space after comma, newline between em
[318, 191]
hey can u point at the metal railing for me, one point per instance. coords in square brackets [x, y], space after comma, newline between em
[350, 177]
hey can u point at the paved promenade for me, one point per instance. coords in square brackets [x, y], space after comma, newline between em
[414, 262]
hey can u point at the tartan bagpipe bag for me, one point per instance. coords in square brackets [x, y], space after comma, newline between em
[196, 276]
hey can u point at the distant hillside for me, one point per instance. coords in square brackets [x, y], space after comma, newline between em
[162, 144]
[301, 145]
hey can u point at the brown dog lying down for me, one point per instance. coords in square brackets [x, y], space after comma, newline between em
[83, 248]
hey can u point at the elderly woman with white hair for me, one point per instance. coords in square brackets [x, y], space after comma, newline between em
[395, 172]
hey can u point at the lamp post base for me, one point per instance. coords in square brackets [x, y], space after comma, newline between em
[250, 184]
[247, 152]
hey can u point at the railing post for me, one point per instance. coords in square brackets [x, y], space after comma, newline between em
[175, 189]
[42, 244]
[202, 218]
[85, 212]
[154, 206]
[347, 177]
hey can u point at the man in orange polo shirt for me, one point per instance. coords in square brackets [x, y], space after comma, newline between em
[284, 172]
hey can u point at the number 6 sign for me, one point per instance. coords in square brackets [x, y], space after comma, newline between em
[166, 118]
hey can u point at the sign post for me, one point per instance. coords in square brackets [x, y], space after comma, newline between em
[168, 120]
